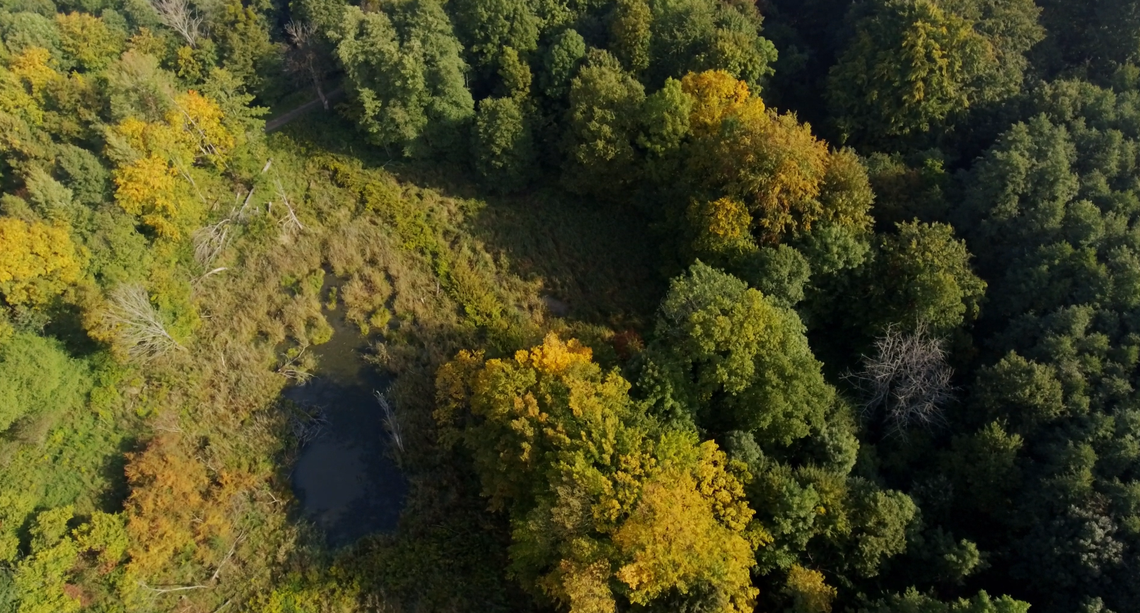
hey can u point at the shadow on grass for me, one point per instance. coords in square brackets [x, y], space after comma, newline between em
[590, 263]
[597, 263]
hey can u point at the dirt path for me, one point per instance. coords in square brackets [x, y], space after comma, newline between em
[284, 118]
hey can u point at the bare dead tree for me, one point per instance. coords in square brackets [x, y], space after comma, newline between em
[906, 381]
[137, 323]
[295, 368]
[306, 58]
[390, 422]
[290, 220]
[179, 16]
[307, 424]
[233, 547]
[209, 241]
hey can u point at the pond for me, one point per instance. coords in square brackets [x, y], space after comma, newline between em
[344, 476]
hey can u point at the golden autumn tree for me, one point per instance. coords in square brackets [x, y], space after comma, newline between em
[716, 95]
[34, 70]
[722, 229]
[681, 534]
[156, 181]
[607, 507]
[23, 82]
[87, 39]
[771, 163]
[37, 261]
[808, 591]
[150, 188]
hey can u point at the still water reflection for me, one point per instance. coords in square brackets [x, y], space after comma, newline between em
[345, 478]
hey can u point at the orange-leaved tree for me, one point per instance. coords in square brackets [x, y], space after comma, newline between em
[174, 508]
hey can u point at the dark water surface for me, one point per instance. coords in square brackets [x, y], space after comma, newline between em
[345, 478]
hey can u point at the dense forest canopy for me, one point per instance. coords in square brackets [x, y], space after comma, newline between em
[685, 305]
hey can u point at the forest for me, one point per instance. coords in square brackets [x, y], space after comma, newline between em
[693, 306]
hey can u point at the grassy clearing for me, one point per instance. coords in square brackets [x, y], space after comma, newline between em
[203, 440]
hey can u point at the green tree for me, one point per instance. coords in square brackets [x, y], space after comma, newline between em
[1024, 393]
[630, 33]
[406, 76]
[923, 277]
[325, 15]
[1019, 189]
[84, 173]
[40, 578]
[912, 601]
[915, 64]
[503, 148]
[246, 48]
[730, 358]
[681, 31]
[985, 463]
[737, 47]
[665, 120]
[39, 378]
[561, 61]
[486, 27]
[138, 87]
[602, 126]
[515, 74]
[22, 30]
[696, 35]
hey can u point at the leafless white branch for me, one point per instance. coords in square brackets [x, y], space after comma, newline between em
[292, 369]
[179, 16]
[390, 421]
[290, 219]
[209, 241]
[176, 588]
[233, 547]
[907, 381]
[138, 324]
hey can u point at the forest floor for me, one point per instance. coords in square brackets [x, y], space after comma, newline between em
[285, 118]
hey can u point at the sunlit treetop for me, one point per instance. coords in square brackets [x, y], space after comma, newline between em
[37, 261]
[605, 506]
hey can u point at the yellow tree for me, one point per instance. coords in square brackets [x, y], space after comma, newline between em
[809, 592]
[722, 230]
[149, 187]
[33, 68]
[606, 506]
[771, 163]
[155, 179]
[716, 95]
[37, 261]
[23, 82]
[198, 125]
[685, 532]
[87, 39]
